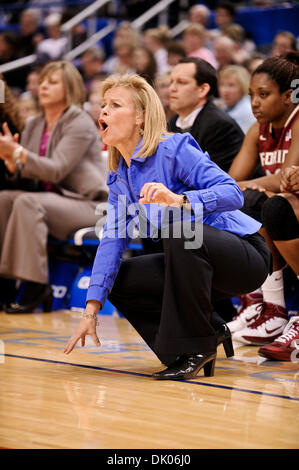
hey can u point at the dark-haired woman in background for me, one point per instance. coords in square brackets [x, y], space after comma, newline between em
[274, 139]
[145, 64]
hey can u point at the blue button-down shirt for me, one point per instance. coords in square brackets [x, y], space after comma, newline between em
[181, 165]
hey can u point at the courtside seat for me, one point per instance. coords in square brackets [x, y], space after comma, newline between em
[70, 271]
[90, 237]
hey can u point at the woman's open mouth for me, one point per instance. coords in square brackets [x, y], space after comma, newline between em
[103, 125]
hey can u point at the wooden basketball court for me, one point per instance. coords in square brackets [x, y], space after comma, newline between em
[105, 398]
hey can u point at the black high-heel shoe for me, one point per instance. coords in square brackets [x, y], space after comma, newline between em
[187, 367]
[28, 304]
[224, 337]
[8, 292]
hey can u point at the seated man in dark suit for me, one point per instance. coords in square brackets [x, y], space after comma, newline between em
[193, 86]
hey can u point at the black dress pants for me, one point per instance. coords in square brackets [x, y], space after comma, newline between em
[168, 297]
[224, 306]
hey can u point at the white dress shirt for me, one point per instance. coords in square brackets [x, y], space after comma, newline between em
[187, 122]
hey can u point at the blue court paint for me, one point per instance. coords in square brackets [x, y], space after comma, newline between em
[116, 371]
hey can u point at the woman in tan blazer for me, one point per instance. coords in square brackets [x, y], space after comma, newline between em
[61, 150]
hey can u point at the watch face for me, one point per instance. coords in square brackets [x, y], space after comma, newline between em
[17, 153]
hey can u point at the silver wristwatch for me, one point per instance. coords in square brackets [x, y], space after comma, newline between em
[16, 154]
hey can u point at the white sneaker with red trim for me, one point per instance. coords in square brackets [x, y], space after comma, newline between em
[248, 313]
[286, 346]
[268, 326]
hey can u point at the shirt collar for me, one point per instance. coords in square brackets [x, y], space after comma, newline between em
[187, 122]
[122, 167]
[139, 145]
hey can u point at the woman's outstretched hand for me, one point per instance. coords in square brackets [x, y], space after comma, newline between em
[87, 326]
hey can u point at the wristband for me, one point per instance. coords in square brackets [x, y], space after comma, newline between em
[90, 315]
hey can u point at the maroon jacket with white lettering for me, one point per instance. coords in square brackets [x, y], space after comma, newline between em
[274, 144]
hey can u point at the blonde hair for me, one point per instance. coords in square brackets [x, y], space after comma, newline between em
[234, 32]
[72, 81]
[238, 72]
[196, 29]
[127, 33]
[146, 102]
[160, 34]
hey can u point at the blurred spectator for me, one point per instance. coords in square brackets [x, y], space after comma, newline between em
[233, 85]
[8, 52]
[175, 52]
[177, 10]
[194, 38]
[145, 64]
[19, 46]
[125, 32]
[32, 83]
[126, 38]
[224, 16]
[283, 42]
[28, 106]
[54, 6]
[157, 41]
[225, 13]
[255, 60]
[242, 49]
[78, 33]
[122, 61]
[96, 84]
[9, 113]
[162, 84]
[93, 106]
[54, 46]
[224, 49]
[30, 32]
[199, 14]
[8, 47]
[91, 64]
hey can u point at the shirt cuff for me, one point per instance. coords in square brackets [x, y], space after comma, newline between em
[202, 201]
[98, 293]
[196, 204]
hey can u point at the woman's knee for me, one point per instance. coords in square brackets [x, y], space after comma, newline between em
[279, 219]
[25, 200]
[253, 203]
[7, 198]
